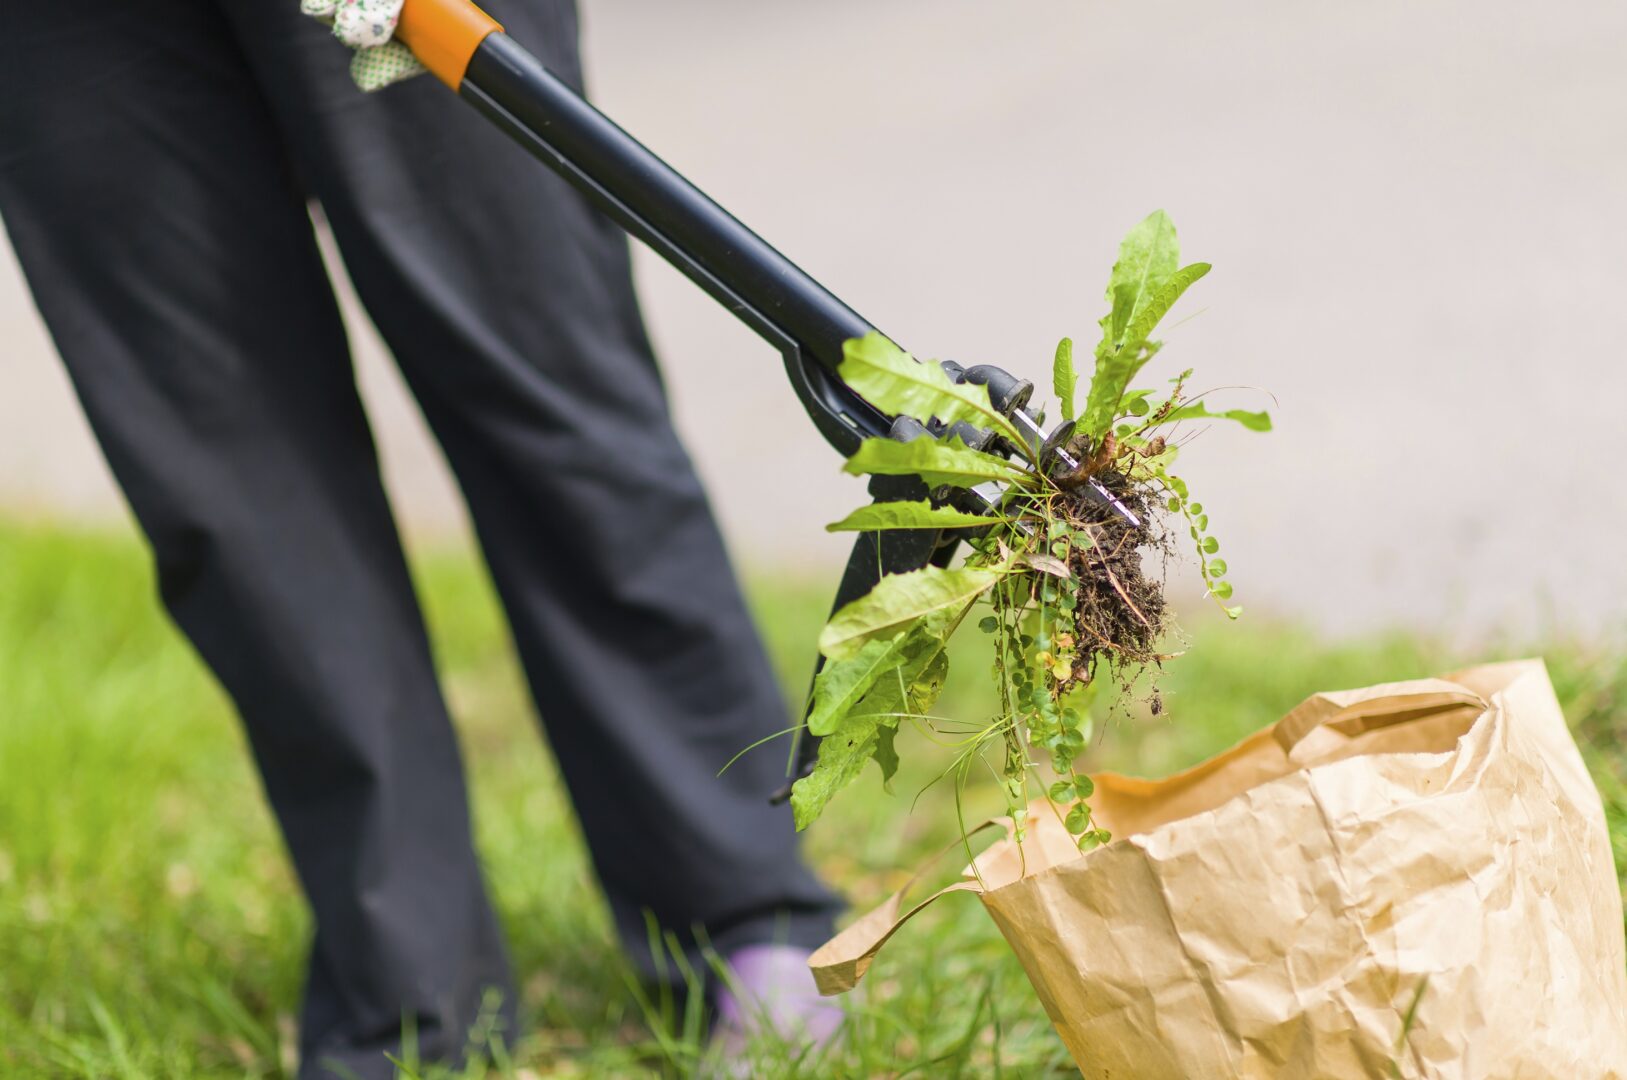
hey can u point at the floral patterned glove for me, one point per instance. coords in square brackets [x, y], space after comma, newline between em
[366, 26]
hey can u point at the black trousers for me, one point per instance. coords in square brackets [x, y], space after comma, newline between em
[156, 158]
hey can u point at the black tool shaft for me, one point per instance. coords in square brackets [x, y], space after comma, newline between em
[654, 203]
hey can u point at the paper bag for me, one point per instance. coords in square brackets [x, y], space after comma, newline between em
[1432, 850]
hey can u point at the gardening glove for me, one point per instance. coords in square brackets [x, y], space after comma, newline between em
[366, 26]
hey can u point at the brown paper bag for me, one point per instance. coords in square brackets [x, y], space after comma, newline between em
[1432, 847]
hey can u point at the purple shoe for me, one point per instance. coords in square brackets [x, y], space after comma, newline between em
[770, 992]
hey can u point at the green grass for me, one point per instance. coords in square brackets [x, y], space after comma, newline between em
[150, 925]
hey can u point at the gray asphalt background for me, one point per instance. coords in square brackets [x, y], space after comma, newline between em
[1415, 211]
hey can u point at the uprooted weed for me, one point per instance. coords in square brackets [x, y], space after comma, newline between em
[1069, 540]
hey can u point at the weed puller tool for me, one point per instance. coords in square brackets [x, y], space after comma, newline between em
[467, 50]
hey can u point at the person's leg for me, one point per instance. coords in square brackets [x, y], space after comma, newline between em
[509, 305]
[152, 208]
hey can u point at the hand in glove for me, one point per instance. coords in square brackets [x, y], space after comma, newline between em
[367, 26]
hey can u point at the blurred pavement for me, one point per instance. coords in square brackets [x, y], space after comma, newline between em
[1415, 212]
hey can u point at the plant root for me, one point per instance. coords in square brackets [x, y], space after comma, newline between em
[1119, 612]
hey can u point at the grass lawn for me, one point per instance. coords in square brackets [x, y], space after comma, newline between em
[150, 925]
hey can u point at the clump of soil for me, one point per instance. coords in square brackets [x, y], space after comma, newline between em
[1120, 613]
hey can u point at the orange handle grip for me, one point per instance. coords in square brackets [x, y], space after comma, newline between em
[444, 35]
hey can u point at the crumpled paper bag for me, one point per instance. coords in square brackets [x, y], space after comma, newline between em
[1432, 850]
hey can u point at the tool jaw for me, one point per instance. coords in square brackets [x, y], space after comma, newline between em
[1010, 396]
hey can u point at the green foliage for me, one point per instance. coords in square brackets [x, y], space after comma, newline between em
[911, 675]
[912, 688]
[1145, 283]
[896, 383]
[881, 516]
[1064, 379]
[949, 462]
[842, 757]
[840, 684]
[1197, 527]
[1149, 255]
[1196, 410]
[1147, 318]
[899, 600]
